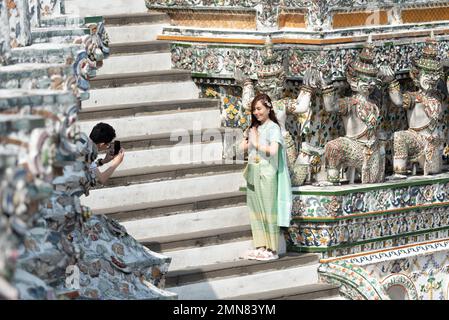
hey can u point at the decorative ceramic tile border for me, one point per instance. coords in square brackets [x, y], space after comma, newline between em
[390, 254]
[386, 232]
[332, 4]
[412, 272]
[219, 61]
[319, 13]
[317, 202]
[354, 282]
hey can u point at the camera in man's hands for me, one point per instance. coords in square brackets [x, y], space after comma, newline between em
[117, 147]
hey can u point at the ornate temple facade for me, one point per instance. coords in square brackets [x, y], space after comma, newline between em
[349, 79]
[360, 88]
[51, 246]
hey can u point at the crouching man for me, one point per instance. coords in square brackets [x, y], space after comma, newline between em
[103, 135]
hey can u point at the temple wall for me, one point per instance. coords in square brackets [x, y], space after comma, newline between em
[377, 241]
[316, 15]
[51, 246]
[213, 66]
[212, 38]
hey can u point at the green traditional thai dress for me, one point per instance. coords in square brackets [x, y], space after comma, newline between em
[268, 189]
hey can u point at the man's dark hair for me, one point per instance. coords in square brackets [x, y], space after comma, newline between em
[102, 133]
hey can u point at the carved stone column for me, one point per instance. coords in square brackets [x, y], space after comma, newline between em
[35, 12]
[19, 23]
[5, 48]
[49, 8]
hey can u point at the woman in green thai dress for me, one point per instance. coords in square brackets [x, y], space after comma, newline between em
[268, 180]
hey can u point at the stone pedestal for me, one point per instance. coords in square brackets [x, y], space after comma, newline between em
[377, 241]
[350, 219]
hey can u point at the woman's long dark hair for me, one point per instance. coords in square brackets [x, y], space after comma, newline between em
[266, 101]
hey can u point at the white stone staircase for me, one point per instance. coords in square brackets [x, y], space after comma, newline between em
[104, 7]
[179, 199]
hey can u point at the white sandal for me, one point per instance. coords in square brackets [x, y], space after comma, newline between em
[266, 256]
[252, 254]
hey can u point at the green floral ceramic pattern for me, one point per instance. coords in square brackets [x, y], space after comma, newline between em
[418, 272]
[383, 199]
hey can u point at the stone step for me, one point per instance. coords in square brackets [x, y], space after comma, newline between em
[34, 98]
[191, 170]
[238, 267]
[146, 108]
[163, 193]
[139, 47]
[104, 7]
[308, 292]
[138, 78]
[163, 125]
[215, 255]
[192, 206]
[165, 160]
[68, 21]
[134, 63]
[188, 225]
[135, 32]
[58, 34]
[226, 235]
[135, 18]
[31, 75]
[147, 93]
[16, 123]
[61, 21]
[334, 297]
[252, 284]
[45, 53]
[193, 136]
